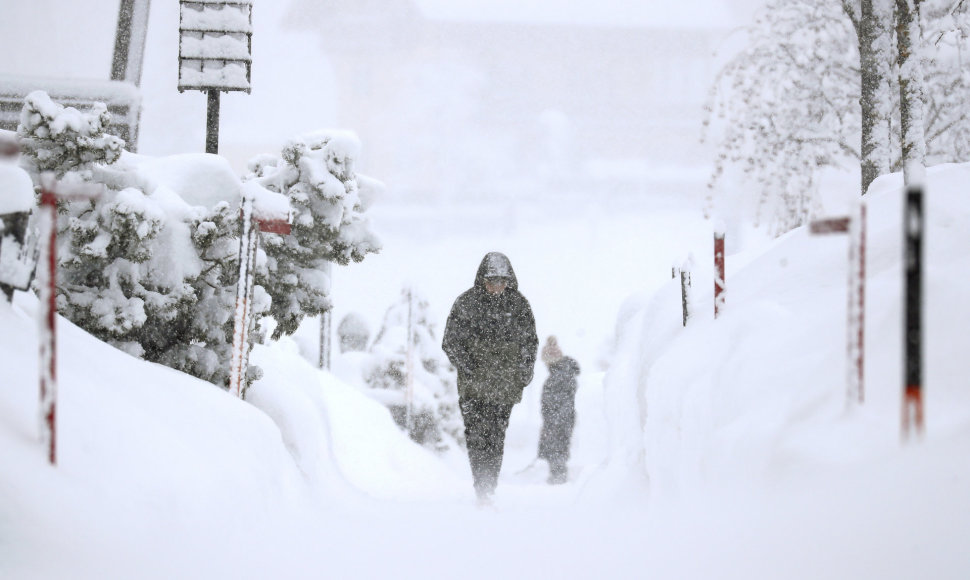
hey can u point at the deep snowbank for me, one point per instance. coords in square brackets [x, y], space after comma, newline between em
[749, 411]
[161, 475]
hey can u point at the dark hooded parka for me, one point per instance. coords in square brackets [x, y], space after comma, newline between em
[491, 339]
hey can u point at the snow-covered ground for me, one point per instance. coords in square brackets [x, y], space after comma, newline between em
[720, 450]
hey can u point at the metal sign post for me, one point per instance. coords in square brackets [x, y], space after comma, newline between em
[215, 53]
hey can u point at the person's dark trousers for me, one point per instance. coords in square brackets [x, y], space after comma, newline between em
[485, 425]
[558, 472]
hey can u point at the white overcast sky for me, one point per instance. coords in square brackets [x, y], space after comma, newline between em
[653, 13]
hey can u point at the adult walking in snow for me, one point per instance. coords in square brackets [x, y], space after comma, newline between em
[558, 410]
[490, 337]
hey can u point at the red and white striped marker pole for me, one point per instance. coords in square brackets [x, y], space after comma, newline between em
[47, 309]
[47, 313]
[244, 292]
[856, 327]
[248, 244]
[719, 278]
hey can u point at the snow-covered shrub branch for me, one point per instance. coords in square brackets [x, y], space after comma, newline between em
[140, 267]
[316, 172]
[62, 139]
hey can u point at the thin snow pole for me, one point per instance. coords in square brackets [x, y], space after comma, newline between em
[47, 311]
[855, 304]
[409, 365]
[250, 283]
[326, 318]
[240, 356]
[913, 388]
[47, 225]
[325, 343]
[719, 278]
[856, 311]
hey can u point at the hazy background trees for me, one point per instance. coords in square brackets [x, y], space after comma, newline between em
[819, 85]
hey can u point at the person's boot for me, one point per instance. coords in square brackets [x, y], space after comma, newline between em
[558, 473]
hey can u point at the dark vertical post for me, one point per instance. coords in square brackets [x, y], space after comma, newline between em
[913, 388]
[719, 284]
[212, 123]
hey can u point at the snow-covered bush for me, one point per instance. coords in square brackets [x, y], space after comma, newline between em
[61, 139]
[316, 173]
[436, 418]
[151, 265]
[153, 276]
[140, 267]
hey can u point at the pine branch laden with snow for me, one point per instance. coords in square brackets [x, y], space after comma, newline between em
[316, 173]
[145, 271]
[790, 103]
[155, 278]
[62, 139]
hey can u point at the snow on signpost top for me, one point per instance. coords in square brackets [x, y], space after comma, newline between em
[215, 45]
[268, 205]
[16, 189]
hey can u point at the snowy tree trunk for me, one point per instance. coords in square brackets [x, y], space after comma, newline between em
[908, 38]
[872, 29]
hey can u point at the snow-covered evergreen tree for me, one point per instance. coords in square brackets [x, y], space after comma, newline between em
[316, 172]
[436, 418]
[139, 267]
[154, 277]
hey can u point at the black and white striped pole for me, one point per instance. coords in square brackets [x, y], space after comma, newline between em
[913, 418]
